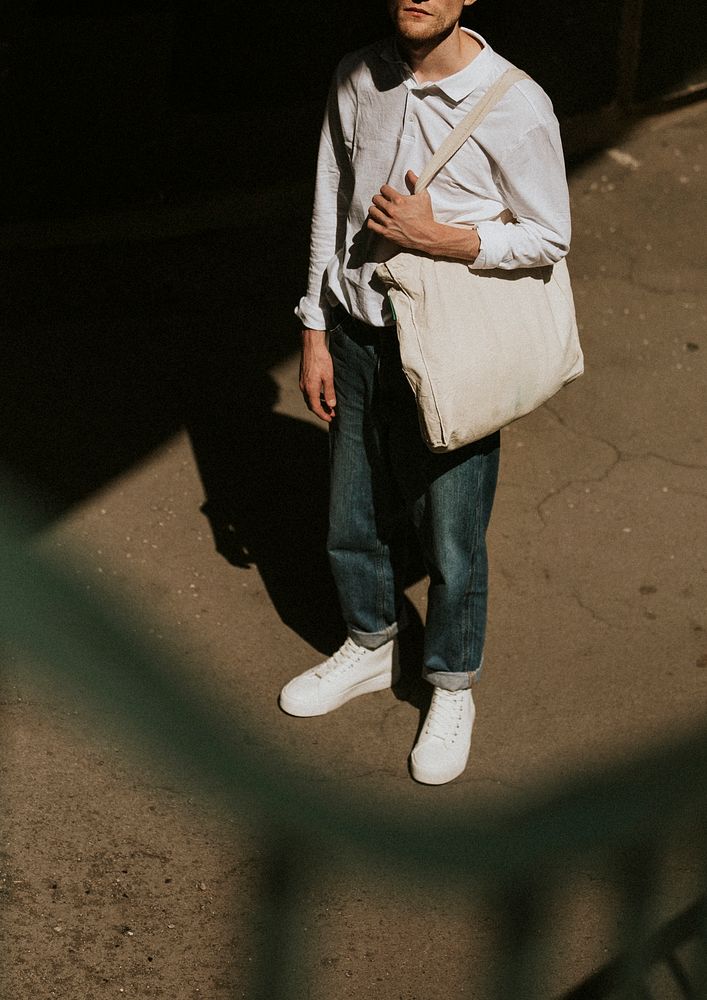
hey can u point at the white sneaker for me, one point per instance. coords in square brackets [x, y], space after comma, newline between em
[442, 749]
[351, 671]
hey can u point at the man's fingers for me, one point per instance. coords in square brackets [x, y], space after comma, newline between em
[320, 398]
[411, 181]
[328, 395]
[381, 203]
[316, 405]
[390, 194]
[377, 214]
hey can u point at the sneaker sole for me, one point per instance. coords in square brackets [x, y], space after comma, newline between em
[304, 710]
[429, 777]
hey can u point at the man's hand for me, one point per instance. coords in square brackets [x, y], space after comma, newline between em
[403, 219]
[408, 220]
[316, 375]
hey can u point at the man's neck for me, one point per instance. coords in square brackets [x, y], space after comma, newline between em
[439, 59]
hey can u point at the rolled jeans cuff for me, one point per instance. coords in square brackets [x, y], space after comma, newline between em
[452, 680]
[374, 640]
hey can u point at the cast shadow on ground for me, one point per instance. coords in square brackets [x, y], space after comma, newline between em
[269, 508]
[665, 948]
[111, 349]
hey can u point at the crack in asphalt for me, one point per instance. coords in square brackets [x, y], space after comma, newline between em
[637, 455]
[591, 611]
[569, 483]
[556, 416]
[619, 456]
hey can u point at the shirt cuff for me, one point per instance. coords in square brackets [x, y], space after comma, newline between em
[313, 317]
[494, 245]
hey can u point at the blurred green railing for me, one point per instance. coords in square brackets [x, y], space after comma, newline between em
[621, 820]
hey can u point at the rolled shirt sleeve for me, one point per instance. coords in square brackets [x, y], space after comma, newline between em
[532, 182]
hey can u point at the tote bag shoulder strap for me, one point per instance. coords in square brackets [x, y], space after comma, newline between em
[458, 136]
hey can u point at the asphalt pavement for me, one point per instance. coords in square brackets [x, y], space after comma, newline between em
[198, 493]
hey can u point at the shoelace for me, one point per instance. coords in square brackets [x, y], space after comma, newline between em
[445, 714]
[343, 659]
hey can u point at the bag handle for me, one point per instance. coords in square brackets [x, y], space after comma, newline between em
[458, 136]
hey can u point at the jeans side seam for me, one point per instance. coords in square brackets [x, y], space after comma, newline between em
[469, 605]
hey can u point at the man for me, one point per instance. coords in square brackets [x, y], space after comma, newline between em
[390, 107]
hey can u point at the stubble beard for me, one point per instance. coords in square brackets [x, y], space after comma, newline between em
[421, 36]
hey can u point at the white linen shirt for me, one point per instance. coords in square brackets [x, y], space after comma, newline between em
[380, 123]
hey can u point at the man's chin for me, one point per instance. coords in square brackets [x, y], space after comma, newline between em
[416, 32]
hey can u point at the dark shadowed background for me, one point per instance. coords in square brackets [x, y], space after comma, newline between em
[112, 337]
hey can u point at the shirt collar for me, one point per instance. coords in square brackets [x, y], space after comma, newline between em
[455, 87]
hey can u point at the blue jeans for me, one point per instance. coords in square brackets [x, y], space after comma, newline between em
[383, 477]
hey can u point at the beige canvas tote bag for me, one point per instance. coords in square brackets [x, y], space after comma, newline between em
[479, 348]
